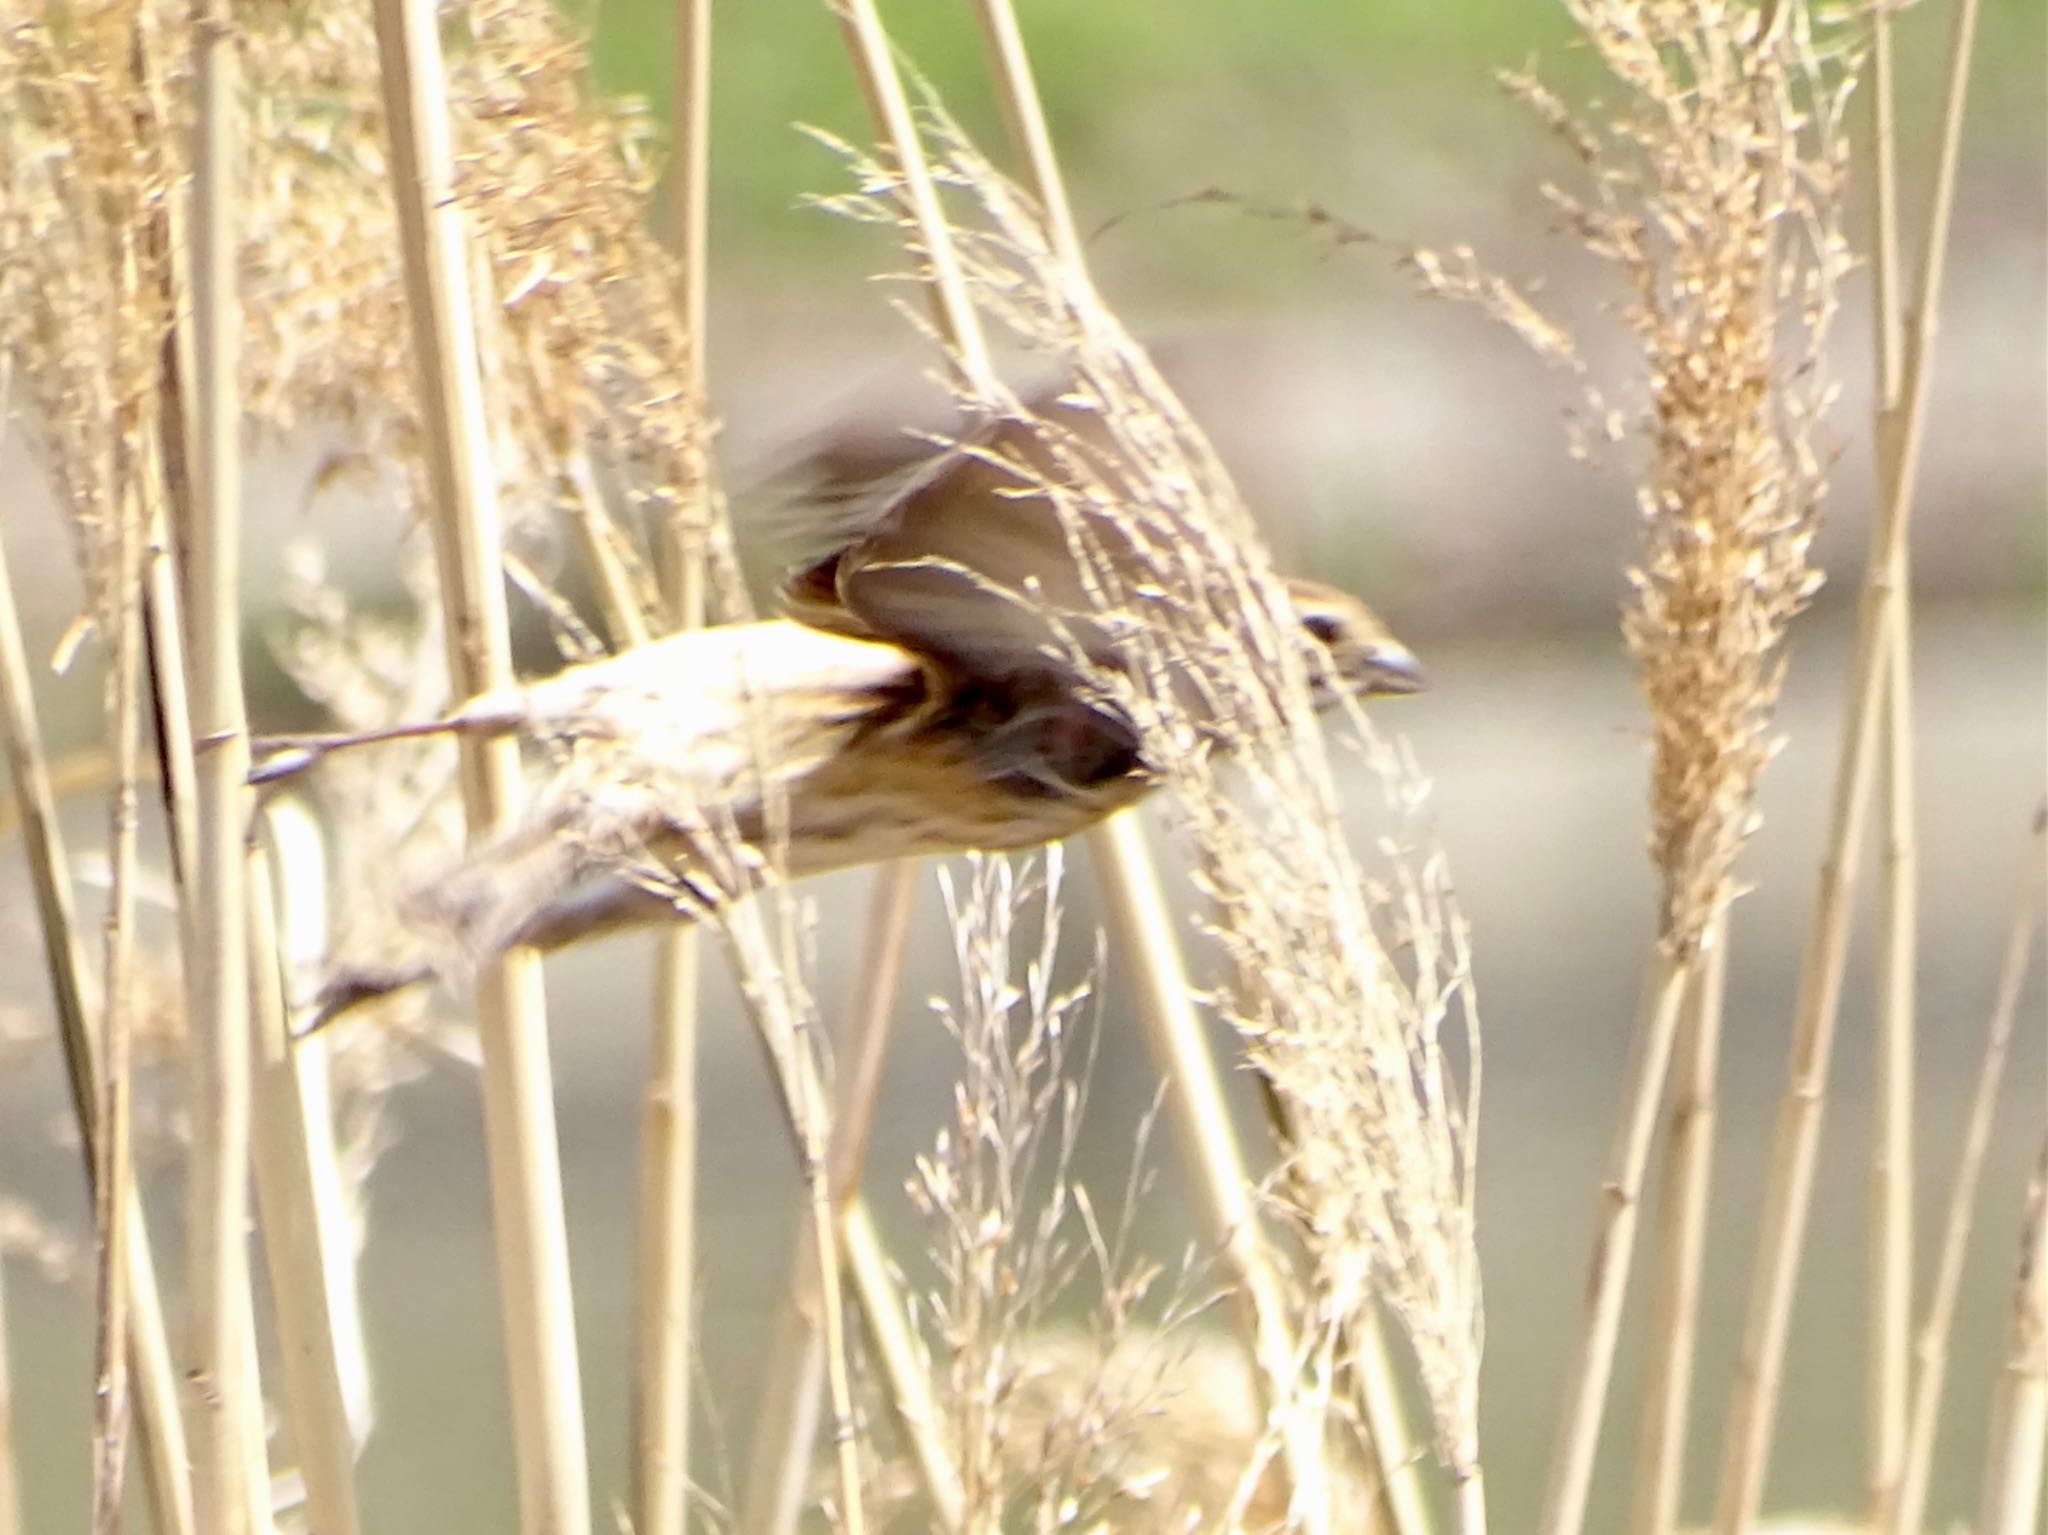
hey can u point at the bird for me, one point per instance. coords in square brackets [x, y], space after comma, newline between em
[932, 687]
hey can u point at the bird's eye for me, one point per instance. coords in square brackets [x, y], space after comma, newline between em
[1322, 627]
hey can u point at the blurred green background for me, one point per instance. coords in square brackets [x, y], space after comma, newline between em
[1396, 445]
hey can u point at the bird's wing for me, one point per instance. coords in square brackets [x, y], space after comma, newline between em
[971, 560]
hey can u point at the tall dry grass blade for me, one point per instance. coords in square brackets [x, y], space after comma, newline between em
[1681, 1245]
[532, 1244]
[159, 1426]
[958, 323]
[1024, 114]
[904, 1369]
[1752, 1411]
[1140, 933]
[1592, 1363]
[785, 1423]
[1888, 1378]
[1904, 1511]
[2011, 1503]
[784, 1027]
[665, 1289]
[10, 1477]
[224, 1397]
[114, 1190]
[299, 1238]
[1141, 926]
[298, 862]
[874, 66]
[664, 1323]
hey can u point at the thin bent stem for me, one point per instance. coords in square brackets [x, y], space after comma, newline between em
[160, 1429]
[2011, 1503]
[1789, 1184]
[299, 1236]
[1135, 913]
[1902, 1514]
[519, 1121]
[1889, 1368]
[10, 1480]
[665, 1288]
[1141, 930]
[114, 1152]
[1592, 1362]
[1681, 1243]
[785, 1424]
[874, 66]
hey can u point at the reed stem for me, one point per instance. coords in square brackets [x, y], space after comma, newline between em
[538, 1316]
[1788, 1192]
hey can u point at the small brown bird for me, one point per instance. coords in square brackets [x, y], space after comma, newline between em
[928, 694]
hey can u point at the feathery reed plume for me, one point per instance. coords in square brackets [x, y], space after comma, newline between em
[1714, 193]
[1057, 1428]
[1208, 670]
[1711, 186]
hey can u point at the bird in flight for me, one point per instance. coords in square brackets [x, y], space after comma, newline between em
[934, 688]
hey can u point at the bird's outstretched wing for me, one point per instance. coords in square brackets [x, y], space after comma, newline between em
[973, 561]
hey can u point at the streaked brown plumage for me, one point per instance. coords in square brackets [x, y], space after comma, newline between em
[924, 697]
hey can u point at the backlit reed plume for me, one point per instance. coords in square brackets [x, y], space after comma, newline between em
[1712, 185]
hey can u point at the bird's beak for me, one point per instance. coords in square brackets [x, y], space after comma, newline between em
[1393, 669]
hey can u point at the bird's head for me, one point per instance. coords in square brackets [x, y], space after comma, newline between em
[1364, 658]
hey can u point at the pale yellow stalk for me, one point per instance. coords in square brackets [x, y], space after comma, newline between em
[1592, 1362]
[665, 1296]
[1681, 1244]
[1752, 1412]
[300, 1239]
[2011, 1501]
[519, 1123]
[1888, 1335]
[225, 1406]
[1902, 1513]
[160, 1428]
[785, 1422]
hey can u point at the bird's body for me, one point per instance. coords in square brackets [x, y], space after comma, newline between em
[934, 691]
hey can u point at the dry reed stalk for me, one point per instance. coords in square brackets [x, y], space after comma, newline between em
[10, 1479]
[785, 1423]
[114, 1189]
[1585, 1396]
[2011, 1502]
[1746, 1439]
[959, 324]
[225, 1404]
[784, 1024]
[1888, 1381]
[1141, 931]
[1903, 1512]
[1681, 1244]
[294, 896]
[658, 1483]
[300, 1238]
[911, 1399]
[533, 1260]
[160, 1427]
[1136, 915]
